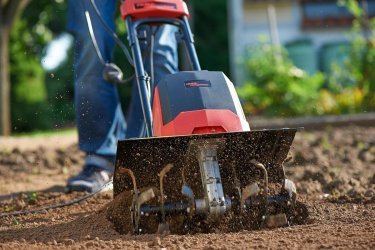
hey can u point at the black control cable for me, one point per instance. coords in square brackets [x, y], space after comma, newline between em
[93, 38]
[113, 34]
[111, 73]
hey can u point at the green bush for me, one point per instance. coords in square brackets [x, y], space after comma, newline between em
[29, 109]
[353, 84]
[32, 105]
[276, 86]
[210, 29]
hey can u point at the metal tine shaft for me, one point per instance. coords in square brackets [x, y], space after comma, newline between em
[162, 173]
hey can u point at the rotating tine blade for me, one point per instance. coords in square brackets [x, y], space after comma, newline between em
[132, 176]
[138, 199]
[250, 190]
[146, 196]
[163, 226]
[143, 197]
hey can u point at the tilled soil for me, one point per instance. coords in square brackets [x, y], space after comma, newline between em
[334, 171]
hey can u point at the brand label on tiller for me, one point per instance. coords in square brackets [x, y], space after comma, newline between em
[197, 83]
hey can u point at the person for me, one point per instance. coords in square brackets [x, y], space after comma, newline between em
[100, 120]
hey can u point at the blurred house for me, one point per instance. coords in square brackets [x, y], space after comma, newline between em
[315, 32]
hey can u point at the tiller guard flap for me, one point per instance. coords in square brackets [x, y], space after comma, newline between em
[146, 157]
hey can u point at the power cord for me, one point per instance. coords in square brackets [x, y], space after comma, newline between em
[111, 73]
[60, 205]
[113, 34]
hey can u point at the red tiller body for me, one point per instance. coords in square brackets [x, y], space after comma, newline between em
[195, 122]
[207, 106]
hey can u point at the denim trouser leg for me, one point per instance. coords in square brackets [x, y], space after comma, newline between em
[100, 120]
[165, 61]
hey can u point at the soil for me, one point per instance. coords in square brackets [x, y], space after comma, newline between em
[333, 169]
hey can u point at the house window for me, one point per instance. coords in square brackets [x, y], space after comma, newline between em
[326, 13]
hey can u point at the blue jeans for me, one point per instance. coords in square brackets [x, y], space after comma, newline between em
[100, 120]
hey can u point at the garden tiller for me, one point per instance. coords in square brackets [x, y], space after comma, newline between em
[198, 165]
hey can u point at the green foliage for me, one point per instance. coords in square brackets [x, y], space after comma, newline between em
[276, 86]
[28, 94]
[352, 6]
[15, 222]
[353, 85]
[8, 208]
[31, 198]
[44, 19]
[38, 24]
[210, 28]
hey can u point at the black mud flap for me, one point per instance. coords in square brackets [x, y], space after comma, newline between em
[148, 156]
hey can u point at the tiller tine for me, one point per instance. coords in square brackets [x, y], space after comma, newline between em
[207, 176]
[163, 225]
